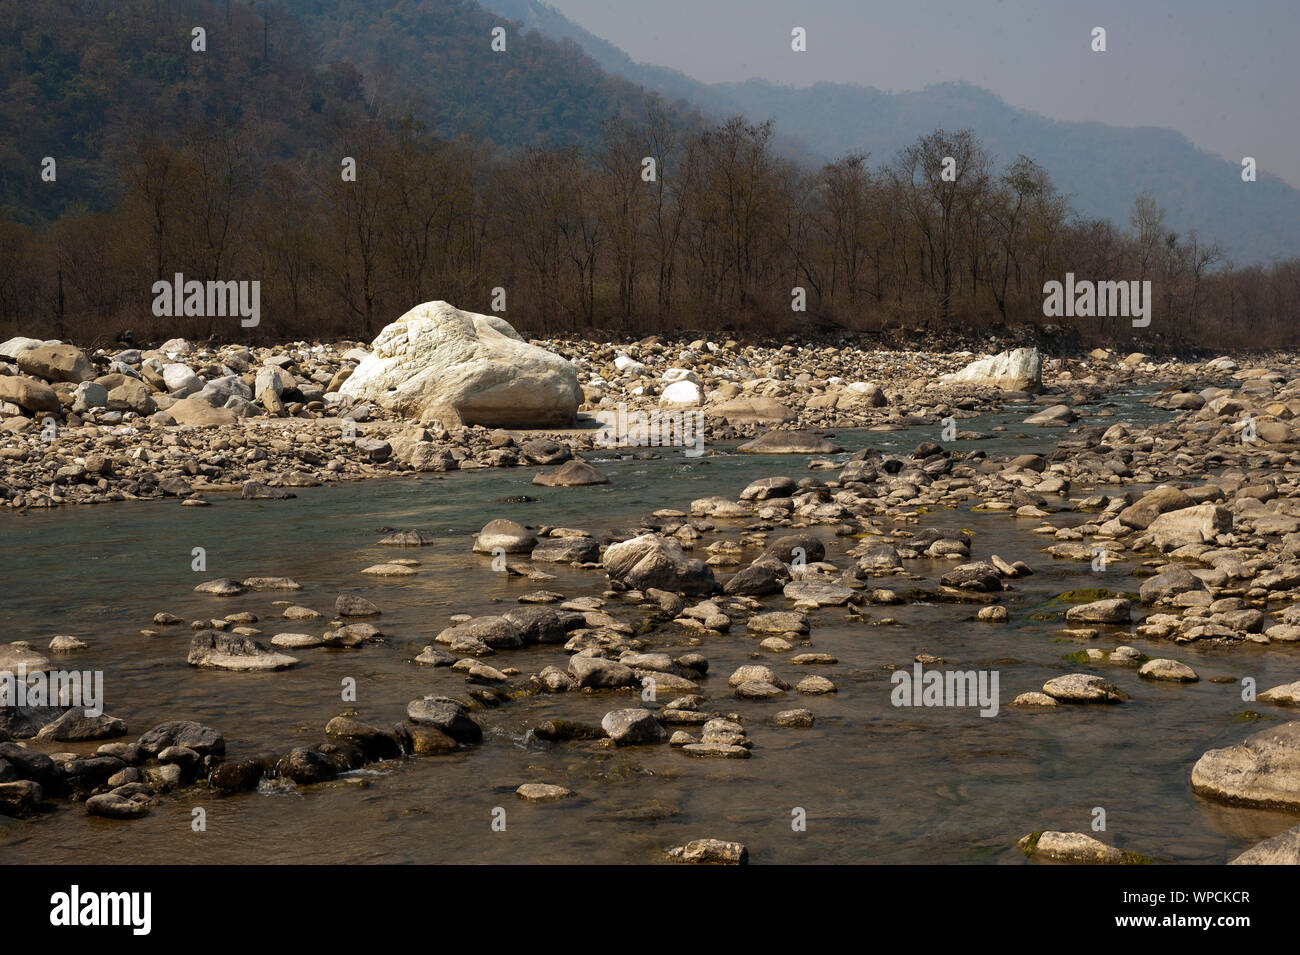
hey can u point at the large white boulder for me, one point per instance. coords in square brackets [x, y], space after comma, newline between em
[16, 346]
[439, 363]
[680, 394]
[1018, 370]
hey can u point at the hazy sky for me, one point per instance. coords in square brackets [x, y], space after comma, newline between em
[1225, 74]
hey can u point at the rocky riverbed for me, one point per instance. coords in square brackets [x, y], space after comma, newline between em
[1121, 580]
[189, 420]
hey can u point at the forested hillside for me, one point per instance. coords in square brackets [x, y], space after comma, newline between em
[366, 158]
[84, 79]
[434, 59]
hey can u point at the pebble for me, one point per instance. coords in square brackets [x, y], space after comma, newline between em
[543, 792]
[710, 852]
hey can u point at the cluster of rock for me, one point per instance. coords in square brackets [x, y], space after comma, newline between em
[119, 780]
[1214, 533]
[182, 419]
[441, 389]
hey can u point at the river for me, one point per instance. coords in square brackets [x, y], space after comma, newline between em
[877, 783]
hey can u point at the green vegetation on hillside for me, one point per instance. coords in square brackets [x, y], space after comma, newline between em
[525, 171]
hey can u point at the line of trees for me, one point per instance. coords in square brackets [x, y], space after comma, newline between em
[659, 228]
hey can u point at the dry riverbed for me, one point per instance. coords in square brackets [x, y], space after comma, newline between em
[183, 420]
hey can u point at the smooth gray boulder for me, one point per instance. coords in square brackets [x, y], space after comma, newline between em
[509, 536]
[445, 714]
[1263, 770]
[789, 442]
[632, 727]
[652, 561]
[1282, 849]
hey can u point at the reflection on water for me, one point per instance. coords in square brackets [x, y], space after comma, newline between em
[879, 784]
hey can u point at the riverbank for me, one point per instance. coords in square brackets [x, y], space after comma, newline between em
[183, 421]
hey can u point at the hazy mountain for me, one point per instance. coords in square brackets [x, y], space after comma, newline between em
[1102, 167]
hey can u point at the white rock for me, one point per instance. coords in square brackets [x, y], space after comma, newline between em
[271, 378]
[180, 380]
[1017, 370]
[439, 363]
[175, 346]
[89, 395]
[17, 345]
[680, 394]
[680, 374]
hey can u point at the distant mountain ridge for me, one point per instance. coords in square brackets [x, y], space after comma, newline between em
[1102, 167]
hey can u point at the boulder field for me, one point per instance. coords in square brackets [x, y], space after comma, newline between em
[443, 389]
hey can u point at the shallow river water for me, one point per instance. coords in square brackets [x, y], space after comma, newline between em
[877, 783]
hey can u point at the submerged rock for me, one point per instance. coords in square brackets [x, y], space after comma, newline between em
[632, 727]
[113, 805]
[76, 725]
[1288, 694]
[354, 605]
[223, 587]
[20, 797]
[542, 792]
[1083, 688]
[789, 442]
[305, 765]
[445, 714]
[407, 538]
[15, 656]
[226, 651]
[821, 593]
[567, 550]
[653, 561]
[1282, 849]
[571, 474]
[795, 718]
[504, 535]
[599, 673]
[1075, 847]
[715, 750]
[1115, 610]
[1172, 670]
[202, 739]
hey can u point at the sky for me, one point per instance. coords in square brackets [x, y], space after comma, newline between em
[1224, 74]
